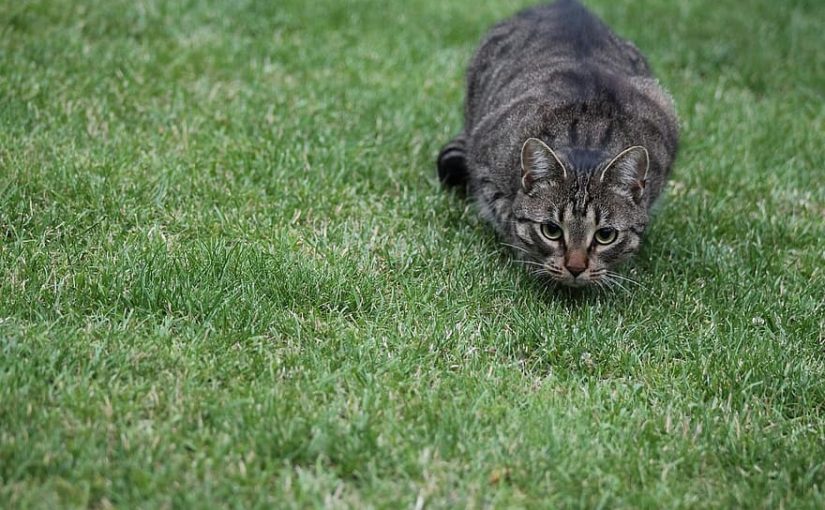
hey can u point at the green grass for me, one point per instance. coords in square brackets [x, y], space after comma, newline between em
[228, 276]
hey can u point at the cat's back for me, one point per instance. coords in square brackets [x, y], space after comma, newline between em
[534, 46]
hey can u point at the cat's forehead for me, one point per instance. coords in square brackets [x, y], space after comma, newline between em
[583, 204]
[577, 197]
[571, 212]
[578, 223]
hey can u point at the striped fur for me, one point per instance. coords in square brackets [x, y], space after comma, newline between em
[556, 75]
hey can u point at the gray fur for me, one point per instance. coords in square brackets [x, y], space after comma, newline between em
[565, 125]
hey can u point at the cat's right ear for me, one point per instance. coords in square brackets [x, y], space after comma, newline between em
[538, 161]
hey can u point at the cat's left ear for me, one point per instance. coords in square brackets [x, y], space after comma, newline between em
[628, 171]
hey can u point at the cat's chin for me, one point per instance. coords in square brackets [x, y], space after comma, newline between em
[576, 283]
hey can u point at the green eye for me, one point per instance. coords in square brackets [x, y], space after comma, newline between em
[606, 235]
[551, 231]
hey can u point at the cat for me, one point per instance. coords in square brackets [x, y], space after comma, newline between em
[568, 140]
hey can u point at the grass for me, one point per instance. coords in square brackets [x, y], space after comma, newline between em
[228, 276]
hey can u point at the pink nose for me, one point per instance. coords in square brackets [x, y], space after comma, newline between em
[576, 263]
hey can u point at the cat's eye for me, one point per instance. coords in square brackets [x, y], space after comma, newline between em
[606, 235]
[551, 231]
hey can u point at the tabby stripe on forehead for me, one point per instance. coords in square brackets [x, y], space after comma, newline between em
[583, 204]
[581, 197]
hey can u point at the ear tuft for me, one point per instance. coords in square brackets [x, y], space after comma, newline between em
[628, 171]
[538, 161]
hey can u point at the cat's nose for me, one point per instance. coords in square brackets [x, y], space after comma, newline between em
[576, 263]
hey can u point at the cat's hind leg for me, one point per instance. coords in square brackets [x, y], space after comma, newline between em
[452, 163]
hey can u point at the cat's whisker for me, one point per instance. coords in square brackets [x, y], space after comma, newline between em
[616, 283]
[540, 273]
[532, 263]
[515, 247]
[625, 279]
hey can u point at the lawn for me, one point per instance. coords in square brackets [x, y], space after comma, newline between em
[229, 277]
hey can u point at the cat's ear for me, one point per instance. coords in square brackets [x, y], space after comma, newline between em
[538, 161]
[628, 171]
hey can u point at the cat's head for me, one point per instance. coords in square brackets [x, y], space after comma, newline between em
[579, 213]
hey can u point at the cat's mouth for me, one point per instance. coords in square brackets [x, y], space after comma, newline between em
[560, 276]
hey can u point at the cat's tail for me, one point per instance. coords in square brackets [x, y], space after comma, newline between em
[452, 163]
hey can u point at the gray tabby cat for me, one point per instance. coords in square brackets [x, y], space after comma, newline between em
[568, 140]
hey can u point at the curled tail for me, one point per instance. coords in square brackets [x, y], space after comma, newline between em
[452, 163]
